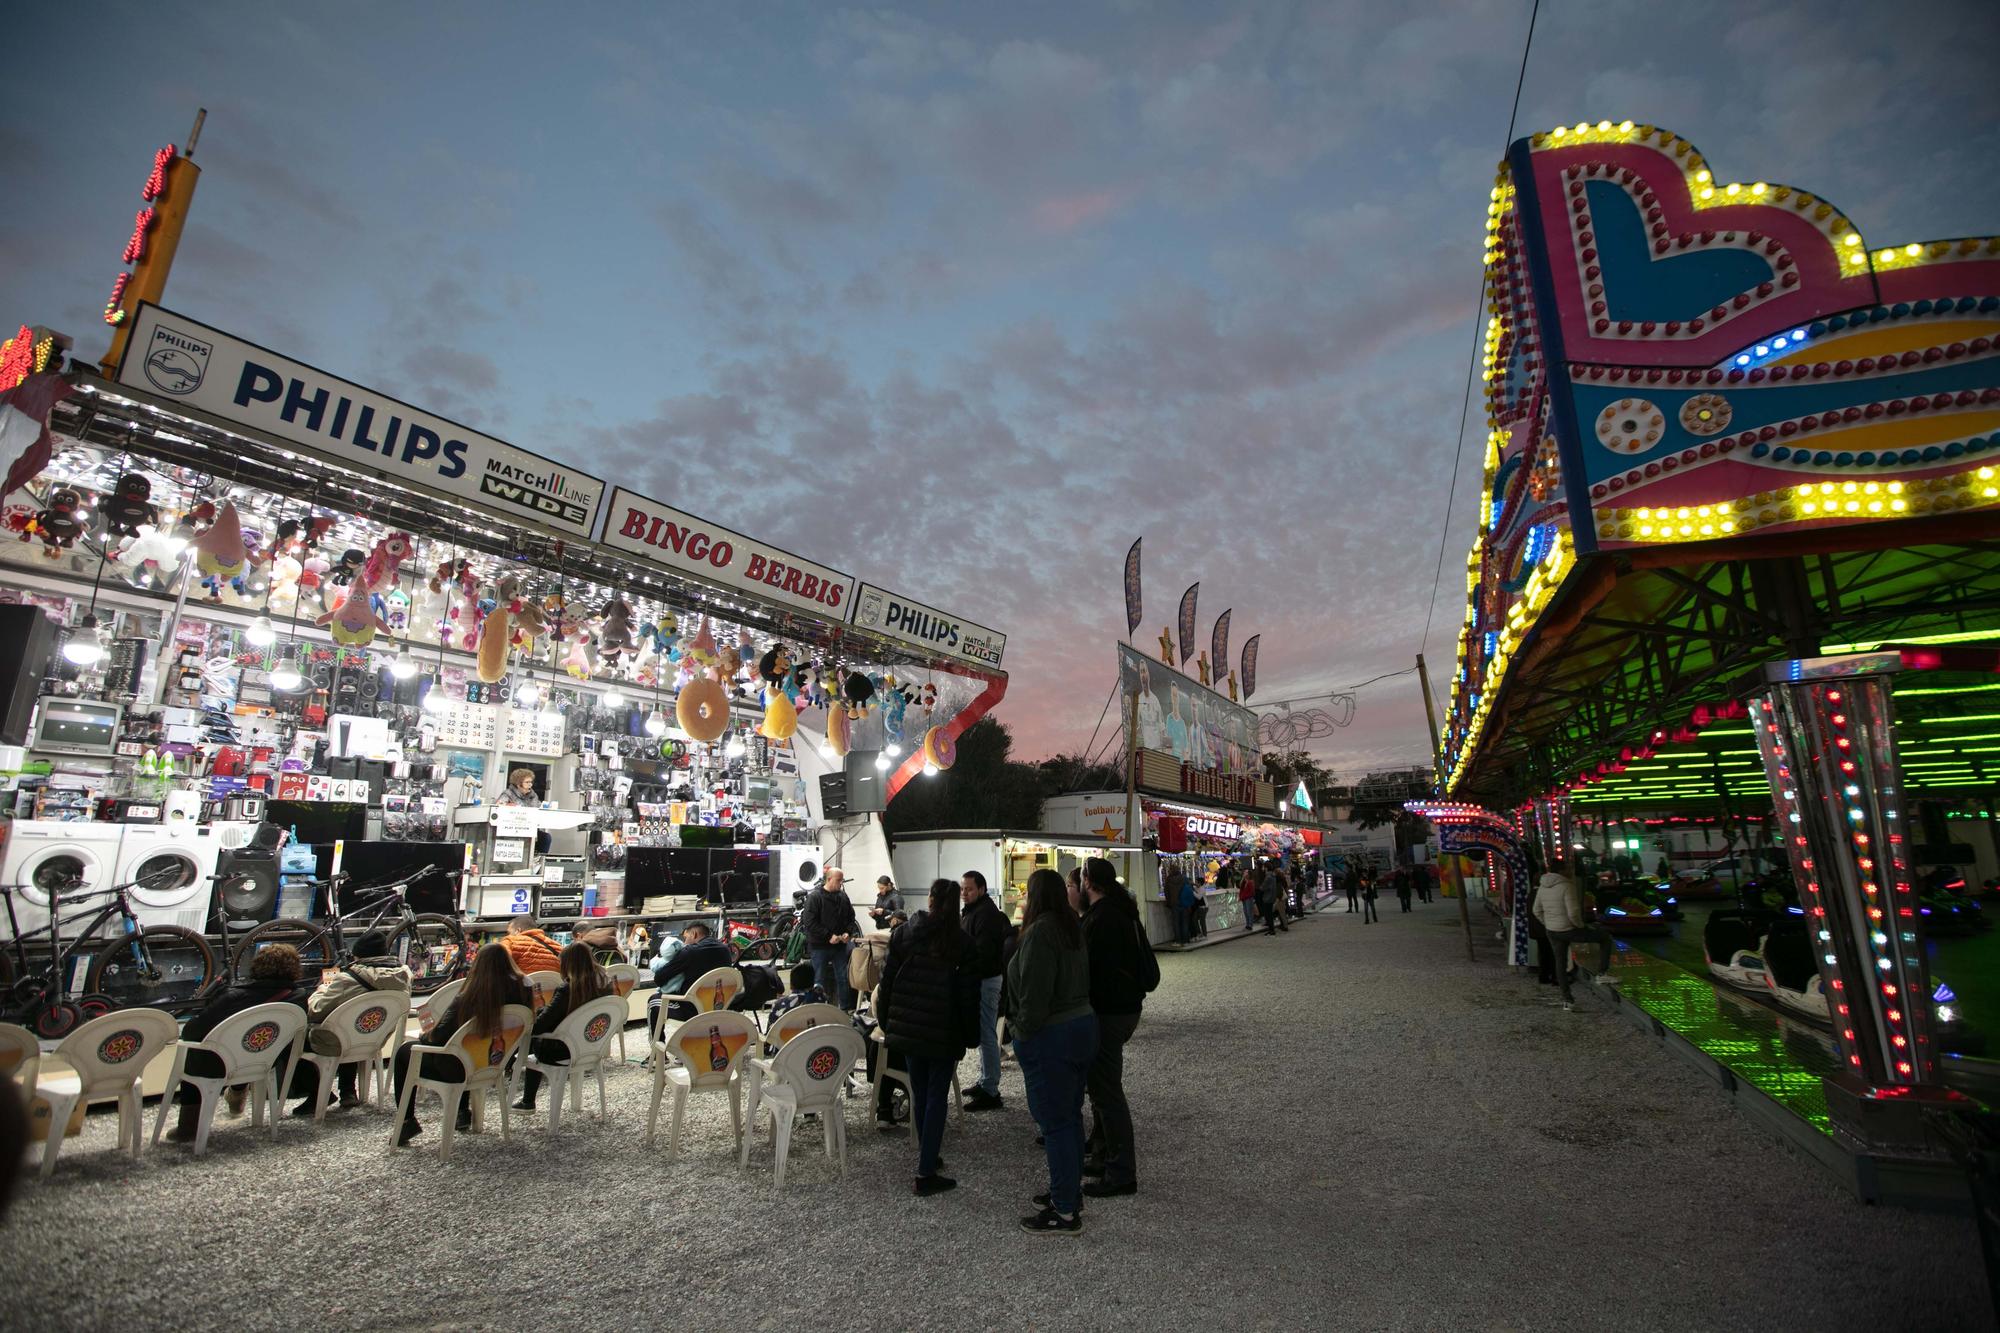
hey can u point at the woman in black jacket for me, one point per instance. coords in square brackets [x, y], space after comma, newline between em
[930, 1000]
[490, 986]
[1122, 971]
[274, 979]
[582, 981]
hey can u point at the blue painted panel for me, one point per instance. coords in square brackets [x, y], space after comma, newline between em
[1639, 287]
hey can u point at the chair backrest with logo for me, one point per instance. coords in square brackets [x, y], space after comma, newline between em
[716, 988]
[362, 1023]
[712, 1045]
[794, 1021]
[485, 1054]
[110, 1051]
[253, 1040]
[815, 1064]
[590, 1030]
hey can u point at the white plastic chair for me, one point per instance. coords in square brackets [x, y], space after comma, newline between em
[20, 1056]
[624, 980]
[783, 1028]
[363, 1029]
[715, 989]
[108, 1055]
[484, 1062]
[711, 1049]
[249, 1044]
[588, 1032]
[543, 984]
[430, 1008]
[807, 1077]
[884, 1074]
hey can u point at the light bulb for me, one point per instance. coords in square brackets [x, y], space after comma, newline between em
[736, 748]
[656, 723]
[550, 716]
[434, 697]
[86, 646]
[930, 770]
[826, 750]
[614, 698]
[892, 749]
[403, 666]
[882, 762]
[285, 676]
[527, 694]
[261, 634]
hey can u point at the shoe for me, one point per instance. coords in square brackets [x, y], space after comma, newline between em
[409, 1131]
[887, 1124]
[234, 1098]
[349, 1100]
[303, 1110]
[1102, 1190]
[979, 1099]
[463, 1124]
[525, 1104]
[184, 1126]
[1049, 1222]
[1042, 1201]
[1093, 1168]
[926, 1186]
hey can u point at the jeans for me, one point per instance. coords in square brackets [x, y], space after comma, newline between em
[1249, 907]
[1559, 942]
[830, 970]
[438, 1068]
[989, 1035]
[1405, 897]
[1182, 929]
[1110, 1113]
[930, 1084]
[1353, 899]
[549, 1051]
[1055, 1062]
[1368, 909]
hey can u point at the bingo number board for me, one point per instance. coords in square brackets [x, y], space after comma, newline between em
[467, 725]
[528, 734]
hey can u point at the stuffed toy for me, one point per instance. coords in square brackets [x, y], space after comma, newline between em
[355, 621]
[56, 523]
[219, 551]
[129, 507]
[614, 635]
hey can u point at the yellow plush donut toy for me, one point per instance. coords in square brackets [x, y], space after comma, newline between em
[494, 632]
[780, 718]
[702, 709]
[939, 748]
[838, 730]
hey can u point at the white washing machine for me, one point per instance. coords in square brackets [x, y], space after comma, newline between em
[52, 852]
[171, 868]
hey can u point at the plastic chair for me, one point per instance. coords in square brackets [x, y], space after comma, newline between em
[544, 986]
[249, 1045]
[430, 1008]
[363, 1029]
[108, 1055]
[20, 1056]
[786, 1026]
[884, 1074]
[484, 1062]
[714, 989]
[711, 1049]
[624, 980]
[807, 1077]
[588, 1033]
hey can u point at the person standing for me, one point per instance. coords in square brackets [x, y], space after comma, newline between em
[1055, 1040]
[1122, 971]
[888, 902]
[1351, 881]
[1246, 899]
[929, 1001]
[988, 929]
[1368, 916]
[1179, 901]
[1403, 886]
[1558, 905]
[830, 925]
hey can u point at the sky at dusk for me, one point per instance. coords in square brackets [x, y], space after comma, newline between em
[959, 299]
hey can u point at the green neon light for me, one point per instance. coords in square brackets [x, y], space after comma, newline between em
[1948, 689]
[1954, 721]
[1965, 636]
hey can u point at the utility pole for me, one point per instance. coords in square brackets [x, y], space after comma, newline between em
[1430, 715]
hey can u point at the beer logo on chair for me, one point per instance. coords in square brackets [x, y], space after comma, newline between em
[119, 1047]
[597, 1027]
[371, 1019]
[260, 1037]
[823, 1063]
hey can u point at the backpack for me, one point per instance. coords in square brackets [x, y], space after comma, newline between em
[1149, 965]
[864, 962]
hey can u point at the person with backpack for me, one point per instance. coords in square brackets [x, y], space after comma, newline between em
[989, 931]
[1123, 972]
[930, 999]
[372, 968]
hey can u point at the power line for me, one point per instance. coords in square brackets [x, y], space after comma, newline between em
[1472, 362]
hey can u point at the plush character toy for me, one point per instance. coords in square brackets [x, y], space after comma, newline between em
[781, 720]
[355, 621]
[350, 564]
[496, 633]
[312, 579]
[614, 636]
[702, 650]
[857, 691]
[702, 707]
[775, 664]
[149, 555]
[56, 523]
[894, 701]
[285, 573]
[220, 552]
[577, 660]
[129, 506]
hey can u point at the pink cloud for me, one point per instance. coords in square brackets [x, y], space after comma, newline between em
[1067, 212]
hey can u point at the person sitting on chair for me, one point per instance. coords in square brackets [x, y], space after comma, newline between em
[582, 981]
[490, 986]
[372, 968]
[530, 946]
[700, 953]
[805, 990]
[274, 979]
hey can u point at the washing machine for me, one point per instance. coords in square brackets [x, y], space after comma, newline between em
[45, 852]
[171, 868]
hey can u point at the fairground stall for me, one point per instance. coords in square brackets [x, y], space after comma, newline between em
[1006, 857]
[246, 596]
[1737, 558]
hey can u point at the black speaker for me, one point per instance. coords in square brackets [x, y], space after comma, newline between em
[30, 651]
[866, 783]
[246, 882]
[833, 795]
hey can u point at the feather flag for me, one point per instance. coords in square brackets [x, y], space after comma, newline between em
[1250, 667]
[1218, 644]
[1187, 620]
[1132, 606]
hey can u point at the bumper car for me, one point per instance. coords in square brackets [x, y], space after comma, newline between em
[1790, 971]
[1948, 916]
[1733, 943]
[1697, 886]
[1624, 912]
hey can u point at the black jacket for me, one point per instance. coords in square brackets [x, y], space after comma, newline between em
[560, 1007]
[237, 998]
[988, 928]
[1118, 951]
[826, 915]
[692, 962]
[930, 1003]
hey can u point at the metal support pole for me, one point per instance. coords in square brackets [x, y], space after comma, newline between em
[1430, 715]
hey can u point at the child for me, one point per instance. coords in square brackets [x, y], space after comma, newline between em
[805, 990]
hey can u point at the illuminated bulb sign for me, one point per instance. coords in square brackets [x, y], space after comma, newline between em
[142, 225]
[1210, 827]
[27, 353]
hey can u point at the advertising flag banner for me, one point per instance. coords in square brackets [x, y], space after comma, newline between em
[1132, 607]
[1250, 667]
[1187, 620]
[1218, 644]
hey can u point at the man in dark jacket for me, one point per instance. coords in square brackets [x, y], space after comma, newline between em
[701, 953]
[988, 929]
[928, 996]
[830, 925]
[1122, 969]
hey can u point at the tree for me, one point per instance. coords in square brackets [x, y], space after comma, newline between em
[1065, 773]
[983, 789]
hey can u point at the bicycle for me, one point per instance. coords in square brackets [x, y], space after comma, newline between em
[161, 967]
[430, 943]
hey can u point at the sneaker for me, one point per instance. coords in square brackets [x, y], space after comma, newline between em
[303, 1109]
[235, 1098]
[409, 1131]
[524, 1105]
[349, 1100]
[1098, 1189]
[926, 1186]
[1042, 1201]
[1049, 1222]
[979, 1099]
[887, 1124]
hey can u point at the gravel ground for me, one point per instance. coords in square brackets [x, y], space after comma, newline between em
[1492, 1163]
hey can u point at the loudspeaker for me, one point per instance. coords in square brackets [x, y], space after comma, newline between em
[246, 881]
[29, 654]
[865, 783]
[833, 795]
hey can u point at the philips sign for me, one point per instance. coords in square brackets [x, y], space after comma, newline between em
[882, 612]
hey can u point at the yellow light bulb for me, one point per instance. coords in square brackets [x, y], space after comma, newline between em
[1853, 238]
[1703, 177]
[1913, 249]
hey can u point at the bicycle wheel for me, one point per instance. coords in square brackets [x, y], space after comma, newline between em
[761, 951]
[178, 967]
[434, 948]
[315, 948]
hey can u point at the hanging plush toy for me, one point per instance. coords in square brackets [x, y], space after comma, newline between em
[702, 650]
[285, 573]
[350, 564]
[839, 731]
[940, 749]
[495, 636]
[614, 636]
[129, 506]
[662, 635]
[355, 621]
[702, 708]
[577, 660]
[775, 664]
[894, 701]
[148, 556]
[396, 611]
[312, 579]
[219, 552]
[780, 718]
[56, 523]
[857, 691]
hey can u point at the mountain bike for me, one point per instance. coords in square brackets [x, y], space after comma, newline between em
[430, 943]
[160, 967]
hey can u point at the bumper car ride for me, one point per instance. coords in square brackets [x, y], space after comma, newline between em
[1733, 943]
